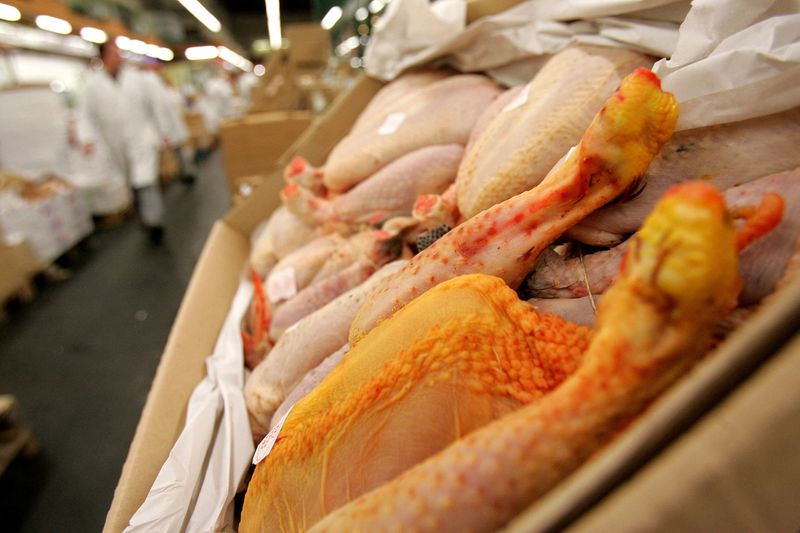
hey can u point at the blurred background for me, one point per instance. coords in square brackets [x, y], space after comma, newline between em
[90, 279]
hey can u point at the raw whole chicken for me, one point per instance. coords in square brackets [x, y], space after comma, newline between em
[282, 234]
[395, 90]
[317, 295]
[302, 348]
[301, 173]
[762, 264]
[505, 240]
[726, 155]
[519, 147]
[444, 112]
[491, 112]
[389, 192]
[305, 262]
[375, 246]
[309, 382]
[679, 277]
[466, 353]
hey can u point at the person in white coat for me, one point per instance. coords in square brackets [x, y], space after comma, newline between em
[117, 124]
[171, 111]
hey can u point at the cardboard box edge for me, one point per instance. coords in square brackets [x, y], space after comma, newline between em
[148, 449]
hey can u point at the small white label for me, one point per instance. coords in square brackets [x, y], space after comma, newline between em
[281, 285]
[518, 100]
[266, 444]
[391, 123]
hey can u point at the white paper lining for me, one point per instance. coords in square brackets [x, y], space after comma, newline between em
[195, 488]
[729, 60]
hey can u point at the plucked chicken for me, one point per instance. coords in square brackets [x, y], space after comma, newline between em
[506, 240]
[523, 142]
[678, 278]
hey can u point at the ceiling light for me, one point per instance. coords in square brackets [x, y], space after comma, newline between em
[199, 53]
[226, 54]
[153, 50]
[53, 24]
[123, 43]
[362, 14]
[9, 13]
[138, 47]
[331, 18]
[94, 35]
[274, 24]
[375, 6]
[202, 14]
[259, 70]
[165, 54]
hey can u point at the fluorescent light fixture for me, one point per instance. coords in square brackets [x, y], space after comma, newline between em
[199, 53]
[138, 47]
[375, 6]
[53, 24]
[202, 14]
[274, 23]
[259, 70]
[331, 17]
[226, 54]
[351, 43]
[153, 50]
[165, 54]
[355, 62]
[361, 14]
[123, 43]
[94, 35]
[9, 13]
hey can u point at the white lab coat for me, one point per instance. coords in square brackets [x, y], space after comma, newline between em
[168, 108]
[118, 117]
[219, 97]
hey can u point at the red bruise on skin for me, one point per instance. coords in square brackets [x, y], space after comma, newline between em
[424, 204]
[290, 190]
[648, 75]
[296, 166]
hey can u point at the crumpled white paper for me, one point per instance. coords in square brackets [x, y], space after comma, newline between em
[734, 60]
[729, 60]
[195, 488]
[414, 32]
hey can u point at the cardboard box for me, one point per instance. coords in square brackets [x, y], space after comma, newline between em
[17, 267]
[309, 45]
[694, 398]
[199, 136]
[253, 143]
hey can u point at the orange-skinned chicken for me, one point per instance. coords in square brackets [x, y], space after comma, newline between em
[679, 277]
[506, 240]
[464, 354]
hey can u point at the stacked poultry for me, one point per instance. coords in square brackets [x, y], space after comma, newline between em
[401, 332]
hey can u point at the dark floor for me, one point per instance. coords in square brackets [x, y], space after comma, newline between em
[81, 356]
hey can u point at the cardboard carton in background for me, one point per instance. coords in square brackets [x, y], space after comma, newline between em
[253, 143]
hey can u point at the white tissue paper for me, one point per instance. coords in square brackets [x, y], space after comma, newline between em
[734, 60]
[195, 488]
[413, 32]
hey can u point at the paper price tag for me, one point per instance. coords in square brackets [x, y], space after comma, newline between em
[391, 123]
[281, 285]
[518, 100]
[266, 444]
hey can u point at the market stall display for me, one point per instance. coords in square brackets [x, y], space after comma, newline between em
[404, 419]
